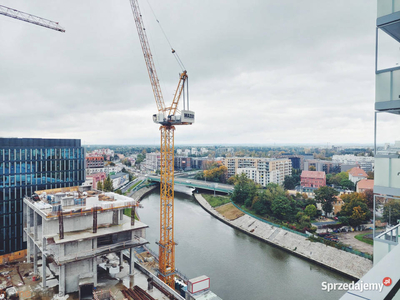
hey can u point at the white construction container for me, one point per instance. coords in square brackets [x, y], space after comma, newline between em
[198, 284]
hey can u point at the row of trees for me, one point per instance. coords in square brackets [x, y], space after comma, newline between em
[214, 171]
[106, 185]
[274, 202]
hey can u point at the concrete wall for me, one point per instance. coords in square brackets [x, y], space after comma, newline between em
[73, 272]
[78, 247]
[78, 223]
[333, 258]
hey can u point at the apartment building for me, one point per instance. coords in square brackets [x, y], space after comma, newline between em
[313, 179]
[387, 162]
[262, 170]
[153, 161]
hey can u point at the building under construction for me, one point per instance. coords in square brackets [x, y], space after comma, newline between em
[74, 231]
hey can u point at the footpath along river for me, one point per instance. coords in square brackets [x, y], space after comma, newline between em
[240, 266]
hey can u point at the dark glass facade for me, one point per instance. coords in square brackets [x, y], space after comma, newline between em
[28, 165]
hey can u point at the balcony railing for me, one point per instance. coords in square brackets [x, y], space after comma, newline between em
[385, 242]
[387, 7]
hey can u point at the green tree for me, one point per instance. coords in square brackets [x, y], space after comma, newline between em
[347, 184]
[289, 183]
[108, 184]
[310, 211]
[245, 190]
[312, 168]
[391, 211]
[100, 186]
[118, 192]
[282, 208]
[326, 195]
[369, 196]
[355, 208]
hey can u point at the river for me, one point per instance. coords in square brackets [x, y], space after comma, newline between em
[240, 266]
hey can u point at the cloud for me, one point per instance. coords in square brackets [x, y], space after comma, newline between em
[259, 71]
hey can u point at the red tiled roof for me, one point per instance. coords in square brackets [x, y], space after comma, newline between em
[367, 184]
[313, 174]
[357, 172]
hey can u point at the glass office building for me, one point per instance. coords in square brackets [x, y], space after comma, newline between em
[28, 165]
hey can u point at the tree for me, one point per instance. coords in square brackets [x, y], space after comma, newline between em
[311, 168]
[391, 211]
[281, 208]
[118, 192]
[326, 195]
[347, 184]
[217, 174]
[355, 208]
[310, 211]
[100, 186]
[108, 184]
[369, 196]
[245, 189]
[370, 175]
[289, 183]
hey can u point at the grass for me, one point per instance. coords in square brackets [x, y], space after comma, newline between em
[229, 211]
[361, 238]
[128, 211]
[216, 201]
[133, 186]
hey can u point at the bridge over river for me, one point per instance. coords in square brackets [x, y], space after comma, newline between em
[200, 184]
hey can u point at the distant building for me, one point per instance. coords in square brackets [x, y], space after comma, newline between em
[178, 151]
[194, 151]
[94, 179]
[119, 179]
[313, 179]
[95, 162]
[356, 174]
[183, 163]
[199, 162]
[326, 166]
[365, 184]
[27, 165]
[153, 161]
[262, 170]
[364, 162]
[203, 150]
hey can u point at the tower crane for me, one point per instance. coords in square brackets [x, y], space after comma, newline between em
[19, 15]
[168, 117]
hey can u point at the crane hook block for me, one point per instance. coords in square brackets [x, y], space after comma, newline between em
[173, 51]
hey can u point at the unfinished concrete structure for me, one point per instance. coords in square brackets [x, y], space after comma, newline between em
[74, 230]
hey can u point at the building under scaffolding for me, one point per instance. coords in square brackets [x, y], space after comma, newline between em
[73, 231]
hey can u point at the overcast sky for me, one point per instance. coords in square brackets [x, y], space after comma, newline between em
[260, 71]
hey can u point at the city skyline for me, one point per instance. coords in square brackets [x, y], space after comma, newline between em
[274, 77]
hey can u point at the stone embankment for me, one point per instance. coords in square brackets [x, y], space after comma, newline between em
[138, 195]
[344, 262]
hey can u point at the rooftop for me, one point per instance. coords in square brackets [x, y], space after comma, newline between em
[313, 174]
[74, 202]
[358, 172]
[366, 184]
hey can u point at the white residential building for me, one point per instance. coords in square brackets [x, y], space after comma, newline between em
[153, 161]
[262, 170]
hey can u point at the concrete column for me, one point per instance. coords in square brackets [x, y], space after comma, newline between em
[94, 243]
[44, 263]
[35, 271]
[121, 258]
[122, 214]
[94, 267]
[35, 231]
[28, 249]
[61, 284]
[132, 262]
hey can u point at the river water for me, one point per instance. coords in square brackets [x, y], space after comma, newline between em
[240, 266]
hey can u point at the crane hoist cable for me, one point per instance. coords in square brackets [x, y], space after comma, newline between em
[178, 59]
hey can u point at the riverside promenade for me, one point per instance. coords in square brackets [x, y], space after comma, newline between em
[341, 261]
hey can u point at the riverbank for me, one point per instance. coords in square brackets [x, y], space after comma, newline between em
[138, 195]
[343, 262]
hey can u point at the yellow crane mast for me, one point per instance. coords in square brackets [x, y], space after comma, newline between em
[168, 118]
